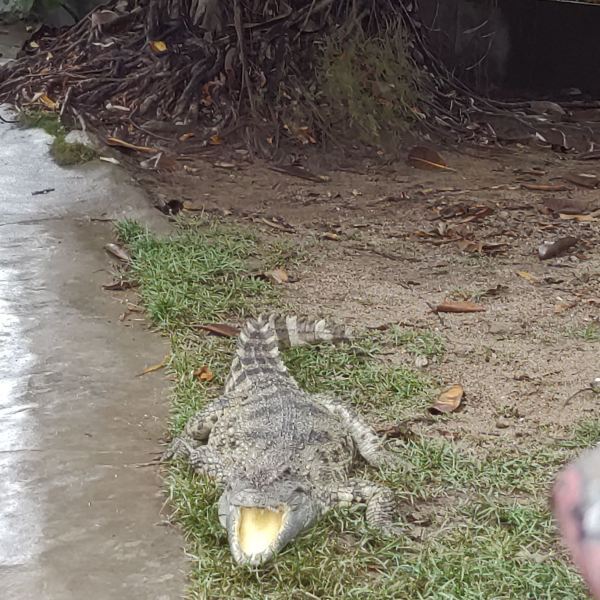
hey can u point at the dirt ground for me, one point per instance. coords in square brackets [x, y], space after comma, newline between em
[387, 242]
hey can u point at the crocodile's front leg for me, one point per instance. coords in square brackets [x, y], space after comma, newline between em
[381, 503]
[368, 443]
[203, 460]
[198, 427]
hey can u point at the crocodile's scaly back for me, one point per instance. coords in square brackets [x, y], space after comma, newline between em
[282, 456]
[257, 356]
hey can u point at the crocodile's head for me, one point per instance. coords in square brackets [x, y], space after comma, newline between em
[261, 522]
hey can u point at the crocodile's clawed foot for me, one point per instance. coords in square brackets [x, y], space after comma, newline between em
[178, 448]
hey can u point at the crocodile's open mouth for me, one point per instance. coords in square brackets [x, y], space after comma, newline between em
[259, 528]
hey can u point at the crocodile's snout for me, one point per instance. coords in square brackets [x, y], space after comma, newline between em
[259, 525]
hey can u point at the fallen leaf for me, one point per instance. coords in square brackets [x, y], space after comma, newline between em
[48, 102]
[153, 368]
[481, 247]
[224, 165]
[330, 235]
[459, 307]
[110, 159]
[564, 306]
[544, 187]
[396, 431]
[528, 276]
[552, 249]
[113, 141]
[215, 140]
[300, 172]
[278, 225]
[578, 218]
[277, 276]
[496, 291]
[220, 329]
[422, 157]
[192, 206]
[587, 180]
[204, 374]
[158, 46]
[118, 252]
[449, 400]
[184, 137]
[118, 286]
[567, 205]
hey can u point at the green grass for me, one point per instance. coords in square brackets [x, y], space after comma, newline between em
[589, 333]
[368, 82]
[477, 519]
[64, 154]
[419, 343]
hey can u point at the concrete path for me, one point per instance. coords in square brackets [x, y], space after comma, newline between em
[77, 521]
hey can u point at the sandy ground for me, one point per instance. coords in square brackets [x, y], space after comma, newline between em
[387, 242]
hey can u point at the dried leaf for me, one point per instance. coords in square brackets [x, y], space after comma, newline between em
[587, 180]
[552, 249]
[300, 172]
[110, 159]
[204, 374]
[118, 286]
[330, 235]
[113, 141]
[544, 187]
[528, 276]
[396, 431]
[498, 290]
[449, 400]
[153, 368]
[118, 252]
[192, 206]
[158, 46]
[278, 225]
[481, 247]
[459, 307]
[224, 165]
[564, 306]
[422, 157]
[184, 137]
[220, 329]
[578, 218]
[215, 140]
[277, 276]
[567, 205]
[48, 102]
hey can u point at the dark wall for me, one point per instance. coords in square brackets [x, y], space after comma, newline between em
[554, 45]
[517, 47]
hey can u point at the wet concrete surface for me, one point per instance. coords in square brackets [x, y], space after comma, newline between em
[77, 518]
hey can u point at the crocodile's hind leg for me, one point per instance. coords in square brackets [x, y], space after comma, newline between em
[381, 503]
[368, 443]
[198, 428]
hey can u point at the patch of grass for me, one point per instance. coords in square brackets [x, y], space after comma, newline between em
[68, 154]
[486, 530]
[47, 121]
[64, 154]
[418, 343]
[589, 333]
[368, 82]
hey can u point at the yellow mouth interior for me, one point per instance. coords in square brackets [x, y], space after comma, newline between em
[258, 528]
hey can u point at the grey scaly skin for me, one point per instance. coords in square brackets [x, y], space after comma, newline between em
[284, 457]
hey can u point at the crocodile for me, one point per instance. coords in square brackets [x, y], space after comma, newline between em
[283, 456]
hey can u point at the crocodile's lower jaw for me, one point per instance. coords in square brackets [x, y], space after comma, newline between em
[258, 529]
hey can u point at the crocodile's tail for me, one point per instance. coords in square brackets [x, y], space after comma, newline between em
[257, 357]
